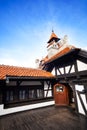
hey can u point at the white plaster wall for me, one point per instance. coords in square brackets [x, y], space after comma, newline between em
[81, 66]
[53, 71]
[23, 108]
[80, 108]
[52, 51]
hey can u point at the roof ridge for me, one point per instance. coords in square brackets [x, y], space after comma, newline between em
[12, 66]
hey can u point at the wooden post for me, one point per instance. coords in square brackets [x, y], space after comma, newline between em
[16, 98]
[76, 69]
[59, 71]
[48, 83]
[43, 85]
[76, 66]
[85, 88]
[70, 69]
[75, 98]
[55, 71]
[64, 70]
[2, 84]
[4, 93]
[1, 96]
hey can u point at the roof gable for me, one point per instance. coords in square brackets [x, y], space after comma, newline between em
[57, 55]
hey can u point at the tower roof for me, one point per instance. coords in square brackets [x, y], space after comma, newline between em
[53, 37]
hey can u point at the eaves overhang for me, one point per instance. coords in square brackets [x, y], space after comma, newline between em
[71, 53]
[26, 78]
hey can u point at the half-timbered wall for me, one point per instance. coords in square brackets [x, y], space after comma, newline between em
[81, 98]
[74, 73]
[31, 94]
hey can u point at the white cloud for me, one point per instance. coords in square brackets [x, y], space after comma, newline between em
[8, 61]
[17, 57]
[18, 62]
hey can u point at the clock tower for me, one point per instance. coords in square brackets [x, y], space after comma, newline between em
[53, 45]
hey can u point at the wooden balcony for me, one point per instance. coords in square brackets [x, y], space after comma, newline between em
[48, 118]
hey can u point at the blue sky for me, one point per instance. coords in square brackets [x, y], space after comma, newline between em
[26, 25]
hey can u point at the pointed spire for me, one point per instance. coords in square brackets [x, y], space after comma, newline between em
[53, 37]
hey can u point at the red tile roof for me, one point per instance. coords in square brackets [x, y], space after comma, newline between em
[22, 71]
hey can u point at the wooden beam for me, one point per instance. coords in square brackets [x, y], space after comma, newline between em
[80, 77]
[48, 83]
[42, 82]
[70, 69]
[85, 88]
[47, 91]
[64, 70]
[74, 95]
[4, 93]
[76, 68]
[59, 71]
[55, 71]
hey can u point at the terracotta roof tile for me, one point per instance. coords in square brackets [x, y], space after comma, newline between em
[22, 71]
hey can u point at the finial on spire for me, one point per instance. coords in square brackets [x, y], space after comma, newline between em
[52, 30]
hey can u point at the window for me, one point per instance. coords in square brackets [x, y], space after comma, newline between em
[59, 88]
[35, 93]
[22, 94]
[39, 93]
[32, 94]
[9, 96]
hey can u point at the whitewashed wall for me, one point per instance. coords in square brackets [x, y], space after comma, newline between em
[23, 108]
[81, 66]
